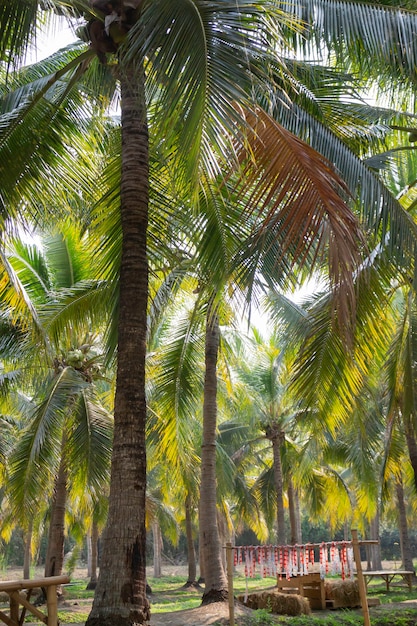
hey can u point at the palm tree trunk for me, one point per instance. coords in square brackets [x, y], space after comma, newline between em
[375, 550]
[292, 507]
[54, 560]
[214, 575]
[277, 437]
[201, 560]
[27, 557]
[88, 542]
[93, 540]
[157, 549]
[298, 515]
[406, 552]
[412, 447]
[192, 563]
[120, 597]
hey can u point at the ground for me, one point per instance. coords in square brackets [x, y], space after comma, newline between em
[217, 613]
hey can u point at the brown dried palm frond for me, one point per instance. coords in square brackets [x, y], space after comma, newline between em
[301, 209]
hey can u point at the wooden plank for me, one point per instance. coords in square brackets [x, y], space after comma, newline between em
[30, 583]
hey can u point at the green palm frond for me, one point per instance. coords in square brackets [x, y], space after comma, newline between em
[16, 301]
[376, 39]
[30, 265]
[162, 296]
[75, 310]
[402, 382]
[21, 23]
[18, 25]
[175, 397]
[26, 85]
[265, 493]
[342, 373]
[67, 257]
[36, 457]
[89, 444]
[195, 94]
[38, 150]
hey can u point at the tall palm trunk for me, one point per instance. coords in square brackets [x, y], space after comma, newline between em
[294, 512]
[406, 551]
[93, 560]
[276, 436]
[214, 575]
[120, 597]
[375, 549]
[192, 562]
[27, 556]
[157, 549]
[411, 445]
[54, 561]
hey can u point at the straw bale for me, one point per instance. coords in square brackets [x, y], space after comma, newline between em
[344, 593]
[279, 603]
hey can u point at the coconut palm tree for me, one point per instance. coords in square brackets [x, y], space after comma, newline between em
[189, 59]
[49, 459]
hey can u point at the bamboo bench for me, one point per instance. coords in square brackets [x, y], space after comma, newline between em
[13, 589]
[388, 576]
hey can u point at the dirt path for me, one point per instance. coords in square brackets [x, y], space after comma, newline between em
[217, 612]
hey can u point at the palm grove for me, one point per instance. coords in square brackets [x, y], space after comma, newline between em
[231, 170]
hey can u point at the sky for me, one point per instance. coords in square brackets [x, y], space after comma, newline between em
[57, 36]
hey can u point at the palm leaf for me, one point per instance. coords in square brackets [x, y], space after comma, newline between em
[299, 198]
[88, 446]
[36, 457]
[378, 40]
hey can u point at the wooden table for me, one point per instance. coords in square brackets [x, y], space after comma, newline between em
[388, 576]
[13, 589]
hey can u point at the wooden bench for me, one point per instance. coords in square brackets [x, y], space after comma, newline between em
[13, 589]
[388, 577]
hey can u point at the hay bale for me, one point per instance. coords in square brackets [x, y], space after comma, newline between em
[278, 603]
[343, 593]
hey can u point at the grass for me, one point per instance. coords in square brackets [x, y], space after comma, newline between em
[68, 617]
[168, 595]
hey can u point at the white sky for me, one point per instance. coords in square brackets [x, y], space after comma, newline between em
[57, 36]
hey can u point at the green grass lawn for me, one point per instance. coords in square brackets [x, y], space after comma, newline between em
[168, 595]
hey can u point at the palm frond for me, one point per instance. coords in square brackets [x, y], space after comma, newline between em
[376, 39]
[89, 444]
[36, 457]
[212, 44]
[299, 198]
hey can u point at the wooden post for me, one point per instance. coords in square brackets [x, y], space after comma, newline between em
[229, 563]
[361, 580]
[14, 609]
[52, 603]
